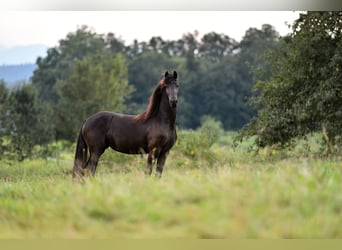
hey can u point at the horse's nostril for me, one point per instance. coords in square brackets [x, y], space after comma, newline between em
[173, 103]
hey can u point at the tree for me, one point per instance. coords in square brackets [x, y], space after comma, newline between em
[215, 46]
[71, 61]
[224, 77]
[97, 82]
[303, 94]
[27, 122]
[46, 75]
[59, 60]
[115, 44]
[252, 49]
[215, 72]
[223, 92]
[4, 94]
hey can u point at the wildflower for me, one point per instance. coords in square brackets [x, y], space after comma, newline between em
[186, 163]
[194, 173]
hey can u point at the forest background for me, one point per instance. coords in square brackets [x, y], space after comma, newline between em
[277, 88]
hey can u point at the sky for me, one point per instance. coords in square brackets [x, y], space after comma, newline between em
[23, 28]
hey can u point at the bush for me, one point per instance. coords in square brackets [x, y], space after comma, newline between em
[197, 144]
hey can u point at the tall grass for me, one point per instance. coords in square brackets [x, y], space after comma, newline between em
[207, 191]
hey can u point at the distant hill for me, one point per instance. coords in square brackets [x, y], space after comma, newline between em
[18, 63]
[21, 54]
[13, 74]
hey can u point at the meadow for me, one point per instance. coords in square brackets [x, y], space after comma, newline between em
[209, 189]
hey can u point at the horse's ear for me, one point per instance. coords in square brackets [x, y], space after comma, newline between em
[174, 74]
[166, 73]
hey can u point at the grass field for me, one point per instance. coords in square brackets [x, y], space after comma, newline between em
[217, 192]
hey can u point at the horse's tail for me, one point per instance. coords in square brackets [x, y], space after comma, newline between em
[80, 156]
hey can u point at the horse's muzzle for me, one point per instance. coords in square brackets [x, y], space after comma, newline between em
[173, 103]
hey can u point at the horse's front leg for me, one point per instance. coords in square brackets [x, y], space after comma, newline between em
[160, 163]
[148, 170]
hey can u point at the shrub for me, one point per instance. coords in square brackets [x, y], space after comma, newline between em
[197, 144]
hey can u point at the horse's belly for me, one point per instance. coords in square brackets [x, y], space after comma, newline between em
[130, 149]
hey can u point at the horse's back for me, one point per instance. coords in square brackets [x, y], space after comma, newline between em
[97, 123]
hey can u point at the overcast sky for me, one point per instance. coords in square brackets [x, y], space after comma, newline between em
[48, 27]
[28, 28]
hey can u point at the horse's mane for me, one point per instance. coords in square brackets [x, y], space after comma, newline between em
[153, 104]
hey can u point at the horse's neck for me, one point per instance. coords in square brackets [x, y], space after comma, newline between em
[166, 113]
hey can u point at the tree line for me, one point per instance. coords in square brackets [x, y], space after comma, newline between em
[275, 88]
[214, 75]
[88, 72]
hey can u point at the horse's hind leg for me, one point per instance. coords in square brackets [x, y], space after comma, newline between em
[94, 159]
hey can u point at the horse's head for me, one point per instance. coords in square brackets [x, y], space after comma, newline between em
[171, 88]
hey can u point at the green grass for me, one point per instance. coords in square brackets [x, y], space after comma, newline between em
[225, 193]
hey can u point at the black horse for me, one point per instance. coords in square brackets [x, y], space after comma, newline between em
[152, 132]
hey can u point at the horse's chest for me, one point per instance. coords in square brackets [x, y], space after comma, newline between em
[169, 138]
[164, 138]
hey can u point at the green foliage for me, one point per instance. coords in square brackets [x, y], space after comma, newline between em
[54, 150]
[220, 92]
[297, 93]
[84, 74]
[211, 130]
[219, 85]
[303, 94]
[215, 46]
[4, 93]
[95, 83]
[59, 60]
[214, 76]
[197, 145]
[25, 122]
